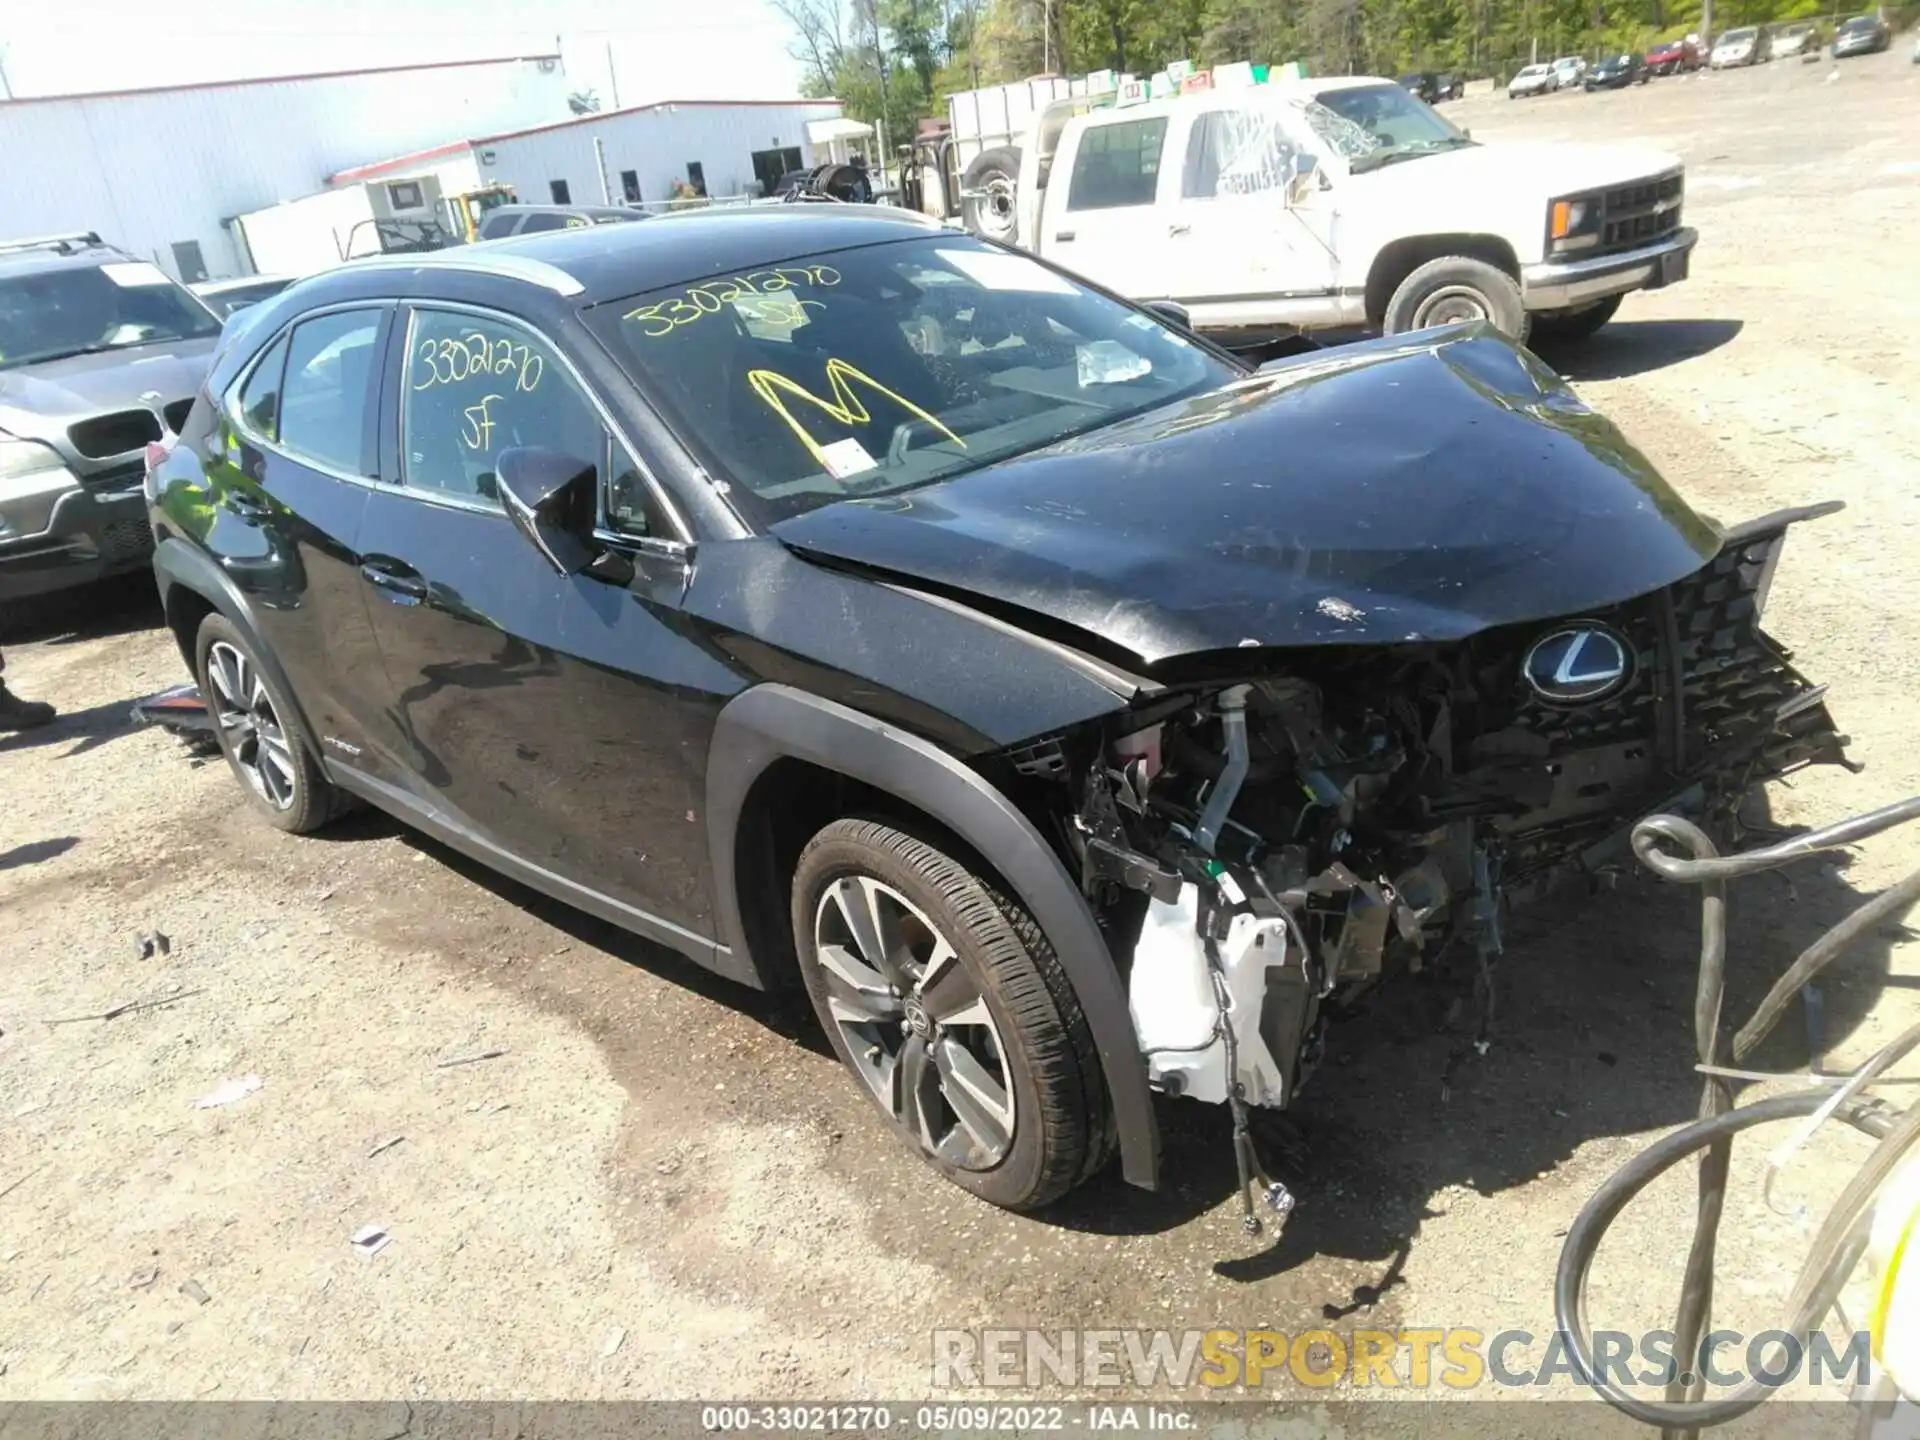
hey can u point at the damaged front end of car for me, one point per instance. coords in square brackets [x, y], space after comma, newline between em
[1413, 632]
[1264, 850]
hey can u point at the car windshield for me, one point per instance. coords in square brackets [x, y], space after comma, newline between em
[1375, 125]
[1858, 23]
[867, 372]
[1533, 72]
[1737, 37]
[52, 314]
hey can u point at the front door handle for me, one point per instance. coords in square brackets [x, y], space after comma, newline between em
[1061, 236]
[401, 584]
[1179, 227]
[246, 507]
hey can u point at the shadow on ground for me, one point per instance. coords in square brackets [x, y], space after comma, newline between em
[1626, 348]
[118, 606]
[34, 851]
[78, 730]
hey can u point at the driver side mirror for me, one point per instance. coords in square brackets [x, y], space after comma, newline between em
[1303, 175]
[549, 497]
[1171, 311]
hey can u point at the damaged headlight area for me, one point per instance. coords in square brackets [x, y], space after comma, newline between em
[1267, 846]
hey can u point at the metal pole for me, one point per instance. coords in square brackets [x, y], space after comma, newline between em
[1046, 37]
[613, 80]
[600, 164]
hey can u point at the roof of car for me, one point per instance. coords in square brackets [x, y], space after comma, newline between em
[56, 253]
[591, 212]
[611, 261]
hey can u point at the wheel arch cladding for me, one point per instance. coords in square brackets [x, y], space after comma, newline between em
[193, 587]
[768, 723]
[1400, 258]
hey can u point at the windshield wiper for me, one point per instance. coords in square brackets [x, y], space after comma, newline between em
[1413, 152]
[53, 355]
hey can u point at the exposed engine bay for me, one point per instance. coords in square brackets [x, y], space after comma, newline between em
[1266, 847]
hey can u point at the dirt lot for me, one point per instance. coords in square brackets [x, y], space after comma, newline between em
[664, 1187]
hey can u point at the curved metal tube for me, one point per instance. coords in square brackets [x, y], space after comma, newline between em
[1233, 724]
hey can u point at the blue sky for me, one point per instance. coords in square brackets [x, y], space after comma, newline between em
[662, 49]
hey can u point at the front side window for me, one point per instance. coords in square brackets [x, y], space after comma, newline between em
[1375, 125]
[1117, 164]
[869, 372]
[82, 310]
[326, 401]
[1235, 152]
[475, 386]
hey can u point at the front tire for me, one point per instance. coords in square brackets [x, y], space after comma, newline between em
[1456, 289]
[943, 996]
[1566, 326]
[279, 774]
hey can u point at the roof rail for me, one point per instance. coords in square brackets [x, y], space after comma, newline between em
[493, 262]
[65, 244]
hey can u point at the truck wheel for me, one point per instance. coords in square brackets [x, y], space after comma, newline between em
[1564, 326]
[1453, 289]
[943, 996]
[988, 190]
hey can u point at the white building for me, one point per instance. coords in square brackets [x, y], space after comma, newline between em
[160, 172]
[721, 147]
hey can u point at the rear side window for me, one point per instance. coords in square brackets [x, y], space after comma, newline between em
[476, 386]
[325, 399]
[496, 226]
[260, 396]
[548, 220]
[1235, 152]
[1117, 165]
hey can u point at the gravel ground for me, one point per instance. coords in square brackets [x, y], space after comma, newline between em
[663, 1187]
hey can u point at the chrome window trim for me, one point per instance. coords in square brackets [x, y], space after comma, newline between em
[580, 383]
[235, 417]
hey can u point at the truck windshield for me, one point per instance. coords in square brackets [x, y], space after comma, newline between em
[53, 314]
[1375, 125]
[867, 372]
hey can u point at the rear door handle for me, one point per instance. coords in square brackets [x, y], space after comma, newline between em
[1178, 228]
[245, 507]
[402, 584]
[1062, 235]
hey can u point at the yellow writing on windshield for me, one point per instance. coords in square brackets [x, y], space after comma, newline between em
[664, 316]
[845, 407]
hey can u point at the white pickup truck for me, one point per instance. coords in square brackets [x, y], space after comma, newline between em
[1324, 204]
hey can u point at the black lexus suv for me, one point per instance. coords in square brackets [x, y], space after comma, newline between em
[836, 599]
[100, 354]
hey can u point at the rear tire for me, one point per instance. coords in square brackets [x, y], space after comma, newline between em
[1566, 326]
[942, 995]
[988, 189]
[1456, 289]
[280, 776]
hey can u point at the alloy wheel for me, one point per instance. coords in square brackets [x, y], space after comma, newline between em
[249, 725]
[915, 1022]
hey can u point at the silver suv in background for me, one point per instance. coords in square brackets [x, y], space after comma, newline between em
[100, 356]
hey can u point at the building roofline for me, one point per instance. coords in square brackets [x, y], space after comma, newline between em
[383, 167]
[273, 79]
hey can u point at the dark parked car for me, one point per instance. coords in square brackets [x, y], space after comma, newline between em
[504, 220]
[1861, 35]
[1616, 72]
[228, 297]
[1673, 56]
[1434, 87]
[845, 602]
[100, 354]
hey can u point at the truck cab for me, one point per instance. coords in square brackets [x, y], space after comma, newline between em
[1343, 203]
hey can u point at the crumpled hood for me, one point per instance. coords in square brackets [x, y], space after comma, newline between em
[42, 400]
[1413, 488]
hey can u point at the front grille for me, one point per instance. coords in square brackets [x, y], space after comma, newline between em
[177, 413]
[104, 436]
[124, 540]
[1639, 214]
[116, 478]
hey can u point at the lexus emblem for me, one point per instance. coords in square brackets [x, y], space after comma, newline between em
[1577, 664]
